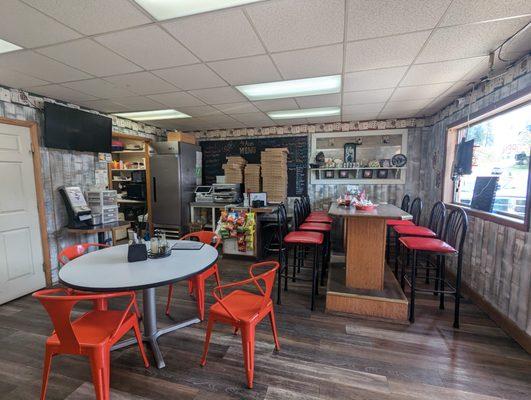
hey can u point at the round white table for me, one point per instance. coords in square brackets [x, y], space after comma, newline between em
[107, 270]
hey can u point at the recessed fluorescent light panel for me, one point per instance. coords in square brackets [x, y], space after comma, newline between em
[6, 47]
[294, 88]
[167, 9]
[305, 113]
[153, 115]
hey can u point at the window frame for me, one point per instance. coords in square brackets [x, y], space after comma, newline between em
[518, 99]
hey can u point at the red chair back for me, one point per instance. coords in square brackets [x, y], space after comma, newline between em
[207, 237]
[267, 277]
[75, 251]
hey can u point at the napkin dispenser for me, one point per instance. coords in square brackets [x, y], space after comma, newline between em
[137, 252]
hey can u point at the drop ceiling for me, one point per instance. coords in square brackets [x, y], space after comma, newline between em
[397, 58]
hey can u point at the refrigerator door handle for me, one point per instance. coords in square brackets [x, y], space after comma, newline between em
[154, 189]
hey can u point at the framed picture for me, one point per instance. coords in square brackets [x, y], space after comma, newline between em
[382, 173]
[260, 196]
[349, 152]
[367, 174]
[343, 174]
[329, 174]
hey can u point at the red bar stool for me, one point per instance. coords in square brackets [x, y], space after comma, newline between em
[320, 217]
[404, 206]
[306, 241]
[90, 335]
[415, 211]
[323, 228]
[450, 245]
[196, 284]
[244, 310]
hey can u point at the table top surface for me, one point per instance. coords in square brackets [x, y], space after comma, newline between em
[101, 228]
[385, 211]
[109, 270]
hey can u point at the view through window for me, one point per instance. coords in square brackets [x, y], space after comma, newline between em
[501, 150]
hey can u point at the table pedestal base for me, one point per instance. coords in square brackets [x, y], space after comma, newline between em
[389, 303]
[151, 332]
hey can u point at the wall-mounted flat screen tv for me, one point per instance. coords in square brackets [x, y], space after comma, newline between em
[72, 129]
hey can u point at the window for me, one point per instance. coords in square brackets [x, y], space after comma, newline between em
[500, 163]
[501, 152]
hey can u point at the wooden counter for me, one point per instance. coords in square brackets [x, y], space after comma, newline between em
[367, 288]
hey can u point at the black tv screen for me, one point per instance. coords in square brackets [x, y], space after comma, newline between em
[72, 129]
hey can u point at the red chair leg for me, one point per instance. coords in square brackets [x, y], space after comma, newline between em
[200, 297]
[210, 326]
[140, 344]
[168, 302]
[218, 279]
[46, 372]
[190, 287]
[274, 328]
[98, 376]
[248, 353]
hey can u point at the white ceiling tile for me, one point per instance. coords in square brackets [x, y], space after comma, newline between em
[468, 40]
[174, 123]
[90, 57]
[177, 99]
[324, 120]
[358, 116]
[369, 18]
[189, 77]
[243, 71]
[27, 27]
[319, 61]
[373, 79]
[397, 114]
[62, 93]
[148, 46]
[38, 66]
[440, 72]
[362, 110]
[138, 103]
[220, 95]
[411, 106]
[467, 11]
[99, 88]
[518, 45]
[254, 119]
[92, 16]
[217, 35]
[296, 24]
[297, 121]
[221, 121]
[391, 51]
[420, 92]
[325, 100]
[17, 80]
[366, 96]
[141, 83]
[200, 111]
[276, 104]
[237, 108]
[106, 106]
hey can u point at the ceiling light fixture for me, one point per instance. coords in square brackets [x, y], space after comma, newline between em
[153, 115]
[6, 47]
[305, 113]
[293, 88]
[166, 9]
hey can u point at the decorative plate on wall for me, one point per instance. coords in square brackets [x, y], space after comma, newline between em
[399, 160]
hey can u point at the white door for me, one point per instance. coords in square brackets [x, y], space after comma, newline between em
[21, 260]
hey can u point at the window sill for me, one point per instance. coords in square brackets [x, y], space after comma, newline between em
[515, 223]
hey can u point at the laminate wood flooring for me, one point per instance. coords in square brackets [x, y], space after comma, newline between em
[322, 356]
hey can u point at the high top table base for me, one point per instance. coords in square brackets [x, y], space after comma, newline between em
[151, 331]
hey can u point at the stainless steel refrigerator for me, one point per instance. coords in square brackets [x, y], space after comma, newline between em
[175, 173]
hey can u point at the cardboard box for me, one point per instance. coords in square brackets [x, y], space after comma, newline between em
[181, 137]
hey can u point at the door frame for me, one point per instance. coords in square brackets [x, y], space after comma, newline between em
[39, 190]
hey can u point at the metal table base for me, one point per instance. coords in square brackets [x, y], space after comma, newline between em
[151, 332]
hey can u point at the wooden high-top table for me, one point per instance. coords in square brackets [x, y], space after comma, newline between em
[363, 285]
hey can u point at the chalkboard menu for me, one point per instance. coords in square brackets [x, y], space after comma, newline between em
[215, 155]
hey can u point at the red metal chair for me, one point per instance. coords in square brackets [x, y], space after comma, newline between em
[75, 251]
[244, 310]
[90, 335]
[415, 211]
[197, 283]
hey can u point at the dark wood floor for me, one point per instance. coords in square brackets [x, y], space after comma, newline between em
[322, 356]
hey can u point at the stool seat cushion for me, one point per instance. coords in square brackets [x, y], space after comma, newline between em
[408, 230]
[426, 244]
[316, 227]
[318, 212]
[396, 222]
[320, 219]
[304, 238]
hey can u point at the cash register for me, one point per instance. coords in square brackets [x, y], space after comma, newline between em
[79, 214]
[204, 194]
